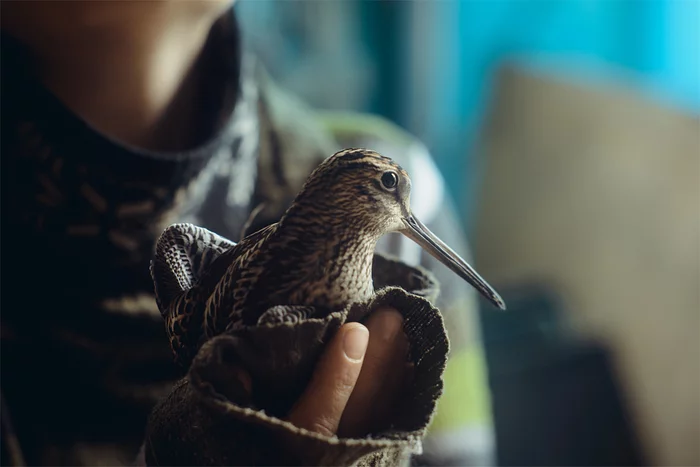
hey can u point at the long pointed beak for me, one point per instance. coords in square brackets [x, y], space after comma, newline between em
[420, 234]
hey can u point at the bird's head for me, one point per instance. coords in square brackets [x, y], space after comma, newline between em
[365, 191]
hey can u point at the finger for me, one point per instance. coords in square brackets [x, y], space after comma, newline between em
[381, 376]
[321, 406]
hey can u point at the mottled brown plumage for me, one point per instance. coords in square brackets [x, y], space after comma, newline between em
[315, 260]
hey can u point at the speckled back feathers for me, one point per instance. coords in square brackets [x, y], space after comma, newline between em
[318, 256]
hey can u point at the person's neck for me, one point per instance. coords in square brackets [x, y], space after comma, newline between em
[134, 80]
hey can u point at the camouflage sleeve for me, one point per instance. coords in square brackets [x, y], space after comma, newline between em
[461, 433]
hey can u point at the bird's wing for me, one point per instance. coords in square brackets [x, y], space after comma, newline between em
[184, 252]
[231, 278]
[188, 265]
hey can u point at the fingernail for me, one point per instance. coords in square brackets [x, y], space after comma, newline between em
[355, 342]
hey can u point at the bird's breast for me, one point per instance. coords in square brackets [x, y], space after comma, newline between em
[340, 280]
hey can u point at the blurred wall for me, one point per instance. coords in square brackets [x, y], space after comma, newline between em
[595, 190]
[454, 48]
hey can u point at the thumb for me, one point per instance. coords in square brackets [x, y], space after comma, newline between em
[321, 406]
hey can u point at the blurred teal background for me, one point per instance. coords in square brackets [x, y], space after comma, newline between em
[429, 66]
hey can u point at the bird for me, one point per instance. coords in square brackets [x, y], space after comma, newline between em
[315, 260]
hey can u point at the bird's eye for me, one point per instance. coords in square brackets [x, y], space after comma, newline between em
[390, 180]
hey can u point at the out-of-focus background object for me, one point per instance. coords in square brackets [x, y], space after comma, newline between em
[569, 133]
[597, 194]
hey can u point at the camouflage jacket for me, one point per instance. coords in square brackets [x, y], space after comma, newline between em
[84, 355]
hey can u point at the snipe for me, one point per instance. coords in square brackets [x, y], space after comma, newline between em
[316, 259]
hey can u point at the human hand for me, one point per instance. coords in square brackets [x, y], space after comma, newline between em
[357, 378]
